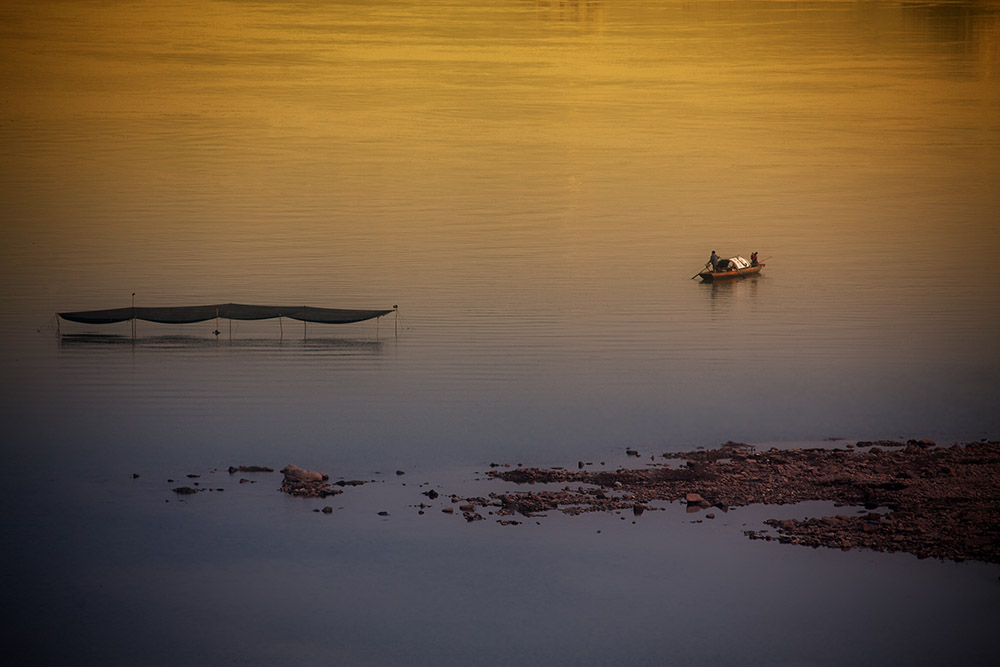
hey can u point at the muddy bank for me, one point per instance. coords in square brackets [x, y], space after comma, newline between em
[917, 497]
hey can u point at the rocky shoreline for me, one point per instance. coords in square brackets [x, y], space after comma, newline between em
[917, 497]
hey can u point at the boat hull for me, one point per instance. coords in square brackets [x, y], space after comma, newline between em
[712, 276]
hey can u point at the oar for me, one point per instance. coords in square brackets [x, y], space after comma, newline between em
[699, 273]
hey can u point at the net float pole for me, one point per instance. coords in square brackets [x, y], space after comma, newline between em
[133, 316]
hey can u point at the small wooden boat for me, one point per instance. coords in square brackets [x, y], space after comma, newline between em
[734, 267]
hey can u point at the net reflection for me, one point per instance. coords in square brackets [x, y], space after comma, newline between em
[327, 345]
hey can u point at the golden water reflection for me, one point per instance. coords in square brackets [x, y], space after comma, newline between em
[518, 153]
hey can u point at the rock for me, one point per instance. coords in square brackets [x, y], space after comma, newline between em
[694, 499]
[383, 513]
[448, 510]
[193, 476]
[306, 483]
[468, 507]
[302, 475]
[638, 509]
[710, 516]
[135, 475]
[233, 469]
[400, 472]
[327, 510]
[185, 490]
[432, 494]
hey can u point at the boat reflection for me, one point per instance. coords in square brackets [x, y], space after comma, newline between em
[735, 286]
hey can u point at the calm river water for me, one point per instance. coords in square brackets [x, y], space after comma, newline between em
[533, 184]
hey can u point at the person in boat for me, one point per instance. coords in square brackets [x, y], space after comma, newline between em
[753, 259]
[714, 261]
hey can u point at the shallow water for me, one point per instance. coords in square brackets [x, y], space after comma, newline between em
[534, 184]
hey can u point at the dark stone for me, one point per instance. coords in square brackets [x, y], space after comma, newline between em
[185, 490]
[233, 469]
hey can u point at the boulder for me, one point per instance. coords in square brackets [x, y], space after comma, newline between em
[297, 474]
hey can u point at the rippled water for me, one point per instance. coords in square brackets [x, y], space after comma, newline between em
[534, 184]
